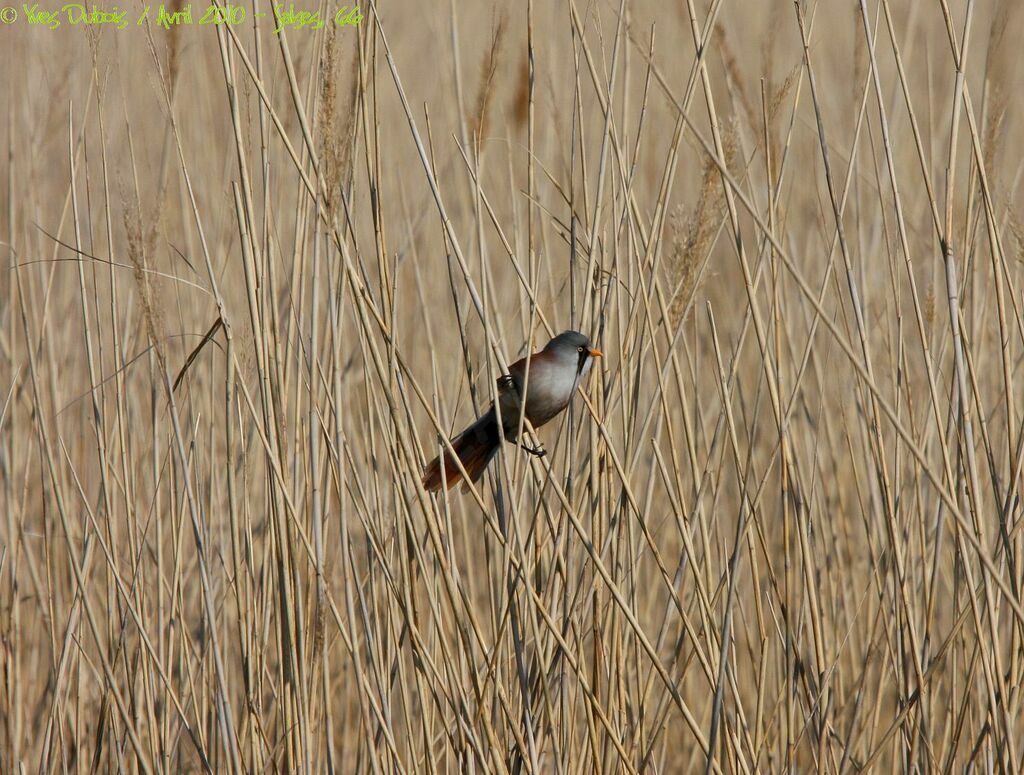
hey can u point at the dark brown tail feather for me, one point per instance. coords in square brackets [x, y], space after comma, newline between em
[475, 447]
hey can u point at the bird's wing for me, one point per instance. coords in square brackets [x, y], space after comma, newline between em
[514, 378]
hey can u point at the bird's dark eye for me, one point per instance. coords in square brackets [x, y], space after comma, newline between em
[579, 349]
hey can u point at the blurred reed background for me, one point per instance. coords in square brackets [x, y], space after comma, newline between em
[251, 278]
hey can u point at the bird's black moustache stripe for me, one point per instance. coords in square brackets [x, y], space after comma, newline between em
[582, 362]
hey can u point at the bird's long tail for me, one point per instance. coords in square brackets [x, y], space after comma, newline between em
[475, 446]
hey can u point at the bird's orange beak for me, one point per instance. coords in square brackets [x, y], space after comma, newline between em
[595, 352]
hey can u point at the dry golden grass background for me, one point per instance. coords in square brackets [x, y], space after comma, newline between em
[250, 279]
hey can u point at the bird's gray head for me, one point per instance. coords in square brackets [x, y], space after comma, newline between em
[572, 345]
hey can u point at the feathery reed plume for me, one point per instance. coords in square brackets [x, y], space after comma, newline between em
[136, 249]
[732, 68]
[692, 236]
[335, 115]
[778, 96]
[998, 67]
[488, 68]
[928, 308]
[174, 47]
[521, 98]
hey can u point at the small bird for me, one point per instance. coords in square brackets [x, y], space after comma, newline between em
[555, 372]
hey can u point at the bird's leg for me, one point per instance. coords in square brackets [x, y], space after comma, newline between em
[507, 386]
[535, 451]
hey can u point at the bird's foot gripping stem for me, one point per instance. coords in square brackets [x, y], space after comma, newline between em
[535, 451]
